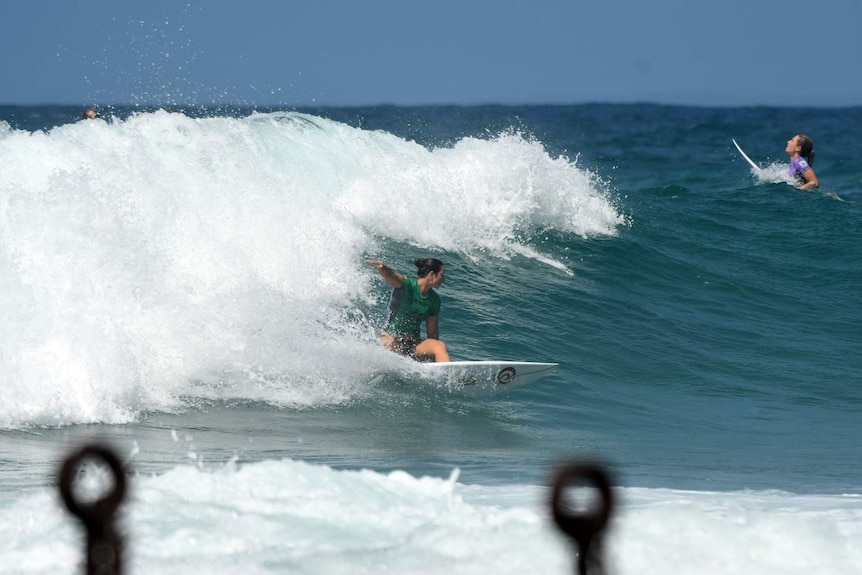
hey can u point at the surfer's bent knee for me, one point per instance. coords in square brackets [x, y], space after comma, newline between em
[435, 348]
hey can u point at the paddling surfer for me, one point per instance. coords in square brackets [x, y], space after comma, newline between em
[800, 148]
[413, 301]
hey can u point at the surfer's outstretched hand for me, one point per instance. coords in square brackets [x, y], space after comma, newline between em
[392, 278]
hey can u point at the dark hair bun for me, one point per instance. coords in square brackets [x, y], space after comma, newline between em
[427, 265]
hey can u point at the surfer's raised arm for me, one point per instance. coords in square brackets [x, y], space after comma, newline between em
[394, 279]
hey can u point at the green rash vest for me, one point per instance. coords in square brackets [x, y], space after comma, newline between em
[408, 308]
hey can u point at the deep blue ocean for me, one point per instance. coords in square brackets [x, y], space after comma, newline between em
[191, 286]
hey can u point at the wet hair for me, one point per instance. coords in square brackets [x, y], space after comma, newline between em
[806, 149]
[427, 265]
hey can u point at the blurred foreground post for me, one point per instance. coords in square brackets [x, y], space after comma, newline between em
[582, 523]
[104, 545]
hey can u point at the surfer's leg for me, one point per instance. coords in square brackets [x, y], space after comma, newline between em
[433, 347]
[400, 345]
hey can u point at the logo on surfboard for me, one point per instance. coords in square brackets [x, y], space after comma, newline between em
[506, 375]
[467, 380]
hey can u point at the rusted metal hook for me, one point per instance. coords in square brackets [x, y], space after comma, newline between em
[104, 545]
[585, 529]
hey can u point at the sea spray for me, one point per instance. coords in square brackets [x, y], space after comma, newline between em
[160, 256]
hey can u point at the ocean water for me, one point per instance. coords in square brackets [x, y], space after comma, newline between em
[190, 287]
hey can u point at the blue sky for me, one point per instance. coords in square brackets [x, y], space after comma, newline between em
[406, 52]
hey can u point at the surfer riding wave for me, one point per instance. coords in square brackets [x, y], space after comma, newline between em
[412, 302]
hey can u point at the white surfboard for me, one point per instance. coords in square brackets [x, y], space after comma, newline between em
[747, 159]
[472, 378]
